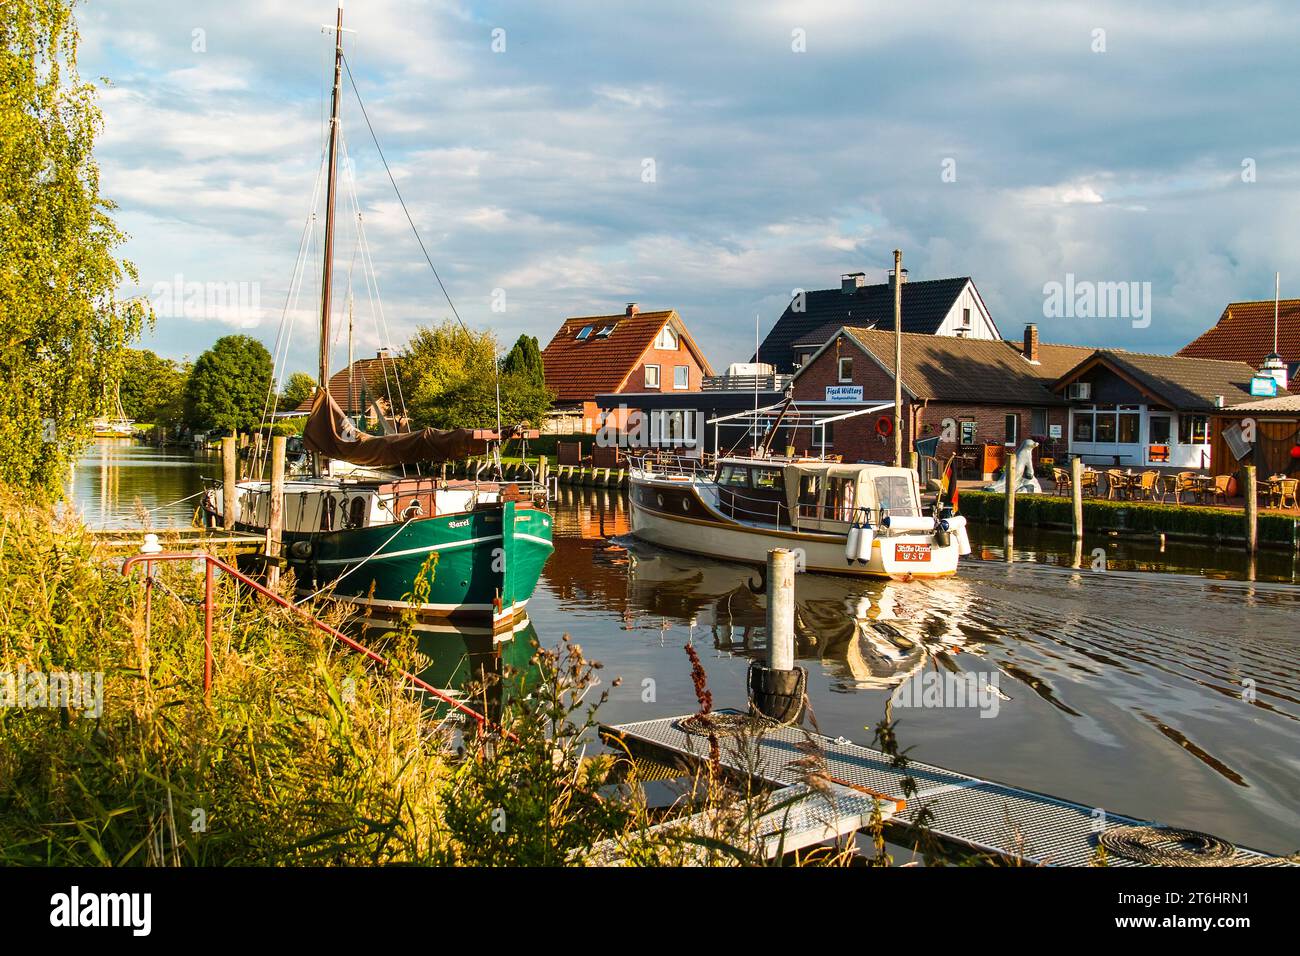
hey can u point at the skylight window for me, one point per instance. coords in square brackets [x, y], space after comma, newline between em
[584, 333]
[605, 332]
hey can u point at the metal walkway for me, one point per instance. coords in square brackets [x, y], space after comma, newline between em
[979, 815]
[801, 817]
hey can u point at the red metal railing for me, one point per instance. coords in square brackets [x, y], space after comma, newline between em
[211, 562]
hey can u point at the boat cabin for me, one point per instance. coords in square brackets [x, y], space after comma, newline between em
[814, 495]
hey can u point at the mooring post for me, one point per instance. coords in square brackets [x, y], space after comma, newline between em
[780, 609]
[275, 515]
[776, 688]
[228, 481]
[259, 441]
[1009, 523]
[1076, 493]
[1252, 509]
[543, 467]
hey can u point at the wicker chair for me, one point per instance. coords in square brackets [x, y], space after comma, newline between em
[1149, 486]
[1088, 484]
[1185, 483]
[1289, 491]
[1062, 479]
[1222, 484]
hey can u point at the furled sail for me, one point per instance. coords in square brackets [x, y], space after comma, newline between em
[331, 433]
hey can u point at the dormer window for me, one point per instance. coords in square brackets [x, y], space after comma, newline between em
[667, 339]
[584, 333]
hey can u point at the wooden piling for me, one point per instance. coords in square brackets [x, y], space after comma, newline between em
[1076, 493]
[543, 470]
[228, 480]
[275, 515]
[1252, 509]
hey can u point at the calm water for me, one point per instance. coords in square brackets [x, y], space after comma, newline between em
[1122, 689]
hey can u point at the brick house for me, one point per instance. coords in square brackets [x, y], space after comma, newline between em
[367, 391]
[944, 307]
[633, 351]
[975, 395]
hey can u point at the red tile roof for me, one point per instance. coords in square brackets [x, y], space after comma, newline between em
[1244, 333]
[579, 369]
[368, 384]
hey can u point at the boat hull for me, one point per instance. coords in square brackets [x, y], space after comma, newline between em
[672, 514]
[476, 572]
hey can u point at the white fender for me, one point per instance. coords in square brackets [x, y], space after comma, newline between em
[863, 552]
[957, 525]
[909, 523]
[851, 543]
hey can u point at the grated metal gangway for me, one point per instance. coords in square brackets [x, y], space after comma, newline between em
[979, 815]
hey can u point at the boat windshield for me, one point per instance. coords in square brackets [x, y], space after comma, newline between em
[734, 476]
[894, 495]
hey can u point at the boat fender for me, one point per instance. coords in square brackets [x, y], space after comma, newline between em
[957, 525]
[910, 523]
[851, 543]
[300, 550]
[863, 552]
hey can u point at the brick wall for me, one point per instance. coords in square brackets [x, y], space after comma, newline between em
[857, 439]
[666, 361]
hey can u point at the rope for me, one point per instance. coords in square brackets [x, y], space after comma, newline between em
[178, 501]
[753, 722]
[1151, 845]
[356, 566]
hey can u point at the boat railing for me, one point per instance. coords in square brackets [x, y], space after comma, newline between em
[663, 465]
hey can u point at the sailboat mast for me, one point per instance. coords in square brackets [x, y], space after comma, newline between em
[327, 273]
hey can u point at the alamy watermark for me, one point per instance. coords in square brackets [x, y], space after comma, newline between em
[75, 690]
[1084, 299]
[667, 428]
[239, 302]
[941, 689]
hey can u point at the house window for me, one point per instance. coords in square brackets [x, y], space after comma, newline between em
[584, 333]
[1130, 424]
[652, 376]
[681, 376]
[667, 339]
[605, 332]
[1193, 429]
[1159, 429]
[846, 369]
[968, 433]
[1083, 422]
[1013, 429]
[1038, 421]
[965, 318]
[672, 426]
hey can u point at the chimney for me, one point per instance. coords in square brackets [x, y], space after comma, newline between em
[384, 353]
[891, 278]
[1275, 368]
[1031, 342]
[632, 309]
[851, 282]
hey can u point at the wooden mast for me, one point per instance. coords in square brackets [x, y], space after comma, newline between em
[327, 273]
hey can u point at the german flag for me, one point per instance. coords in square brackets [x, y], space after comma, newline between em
[948, 485]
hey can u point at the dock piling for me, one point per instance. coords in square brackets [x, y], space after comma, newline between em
[1076, 493]
[229, 478]
[1252, 509]
[275, 515]
[775, 686]
[1010, 477]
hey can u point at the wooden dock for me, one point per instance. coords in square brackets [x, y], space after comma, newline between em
[184, 539]
[969, 813]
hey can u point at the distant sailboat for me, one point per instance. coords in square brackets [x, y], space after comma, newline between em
[366, 535]
[117, 426]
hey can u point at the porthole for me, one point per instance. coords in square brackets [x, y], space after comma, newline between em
[660, 499]
[686, 504]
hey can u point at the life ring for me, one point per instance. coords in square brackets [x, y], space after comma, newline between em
[884, 426]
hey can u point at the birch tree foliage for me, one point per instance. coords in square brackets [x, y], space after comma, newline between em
[64, 331]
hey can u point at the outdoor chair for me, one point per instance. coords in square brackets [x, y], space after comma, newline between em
[1062, 479]
[1219, 490]
[1088, 485]
[1289, 490]
[1117, 484]
[1185, 483]
[1149, 486]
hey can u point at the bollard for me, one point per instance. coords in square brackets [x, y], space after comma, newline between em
[1076, 493]
[228, 481]
[275, 514]
[776, 687]
[1252, 509]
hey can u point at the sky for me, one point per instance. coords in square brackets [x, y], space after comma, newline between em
[567, 158]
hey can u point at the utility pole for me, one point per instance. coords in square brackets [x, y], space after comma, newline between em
[898, 358]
